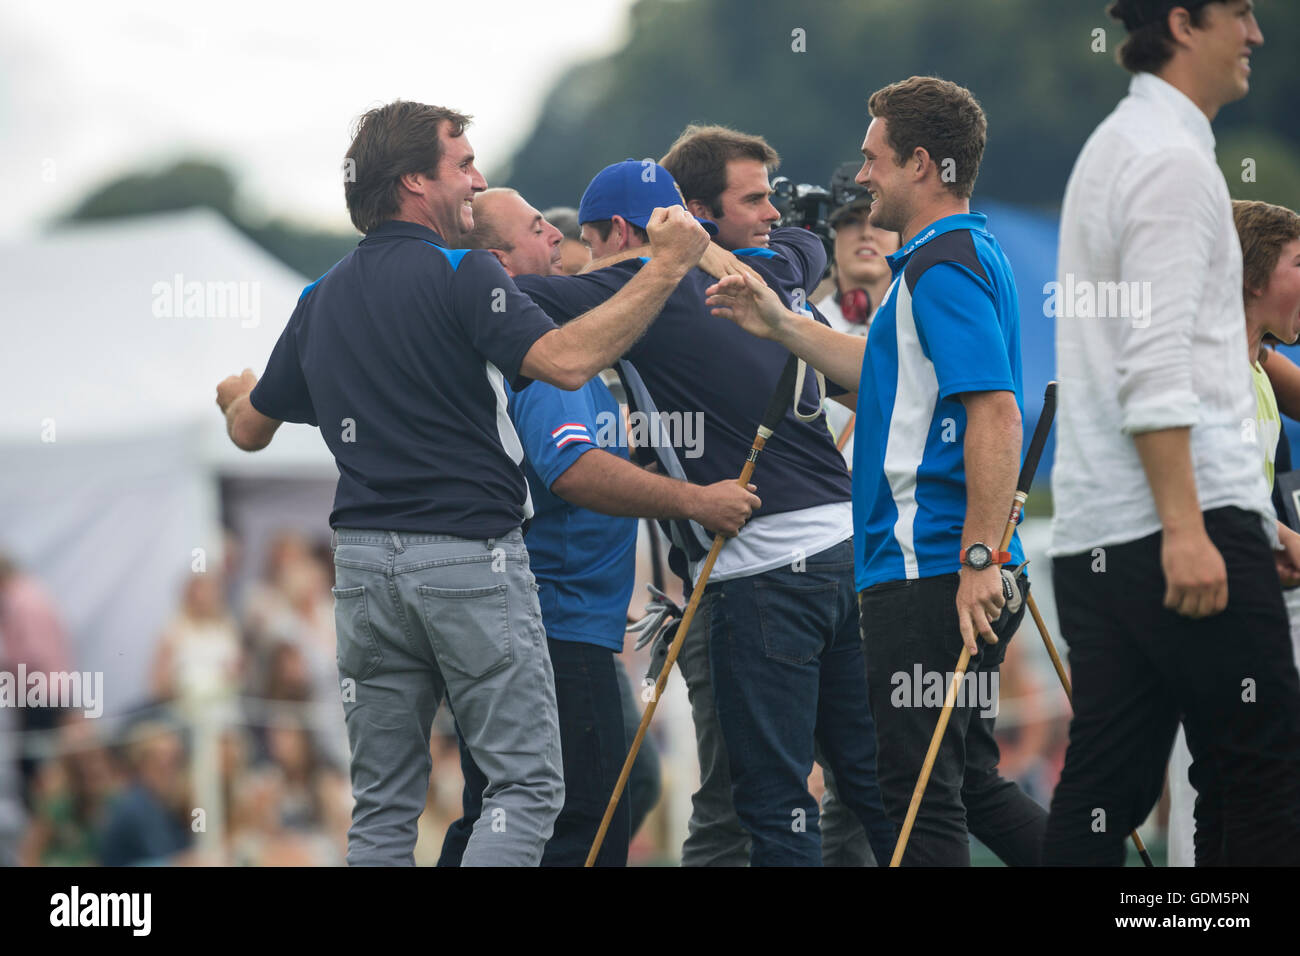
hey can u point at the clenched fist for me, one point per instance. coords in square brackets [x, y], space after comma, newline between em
[233, 387]
[676, 238]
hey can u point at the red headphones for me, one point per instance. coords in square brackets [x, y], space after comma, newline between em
[855, 306]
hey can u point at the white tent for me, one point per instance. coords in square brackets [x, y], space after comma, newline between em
[112, 449]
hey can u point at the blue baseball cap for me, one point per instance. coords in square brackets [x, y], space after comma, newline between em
[632, 189]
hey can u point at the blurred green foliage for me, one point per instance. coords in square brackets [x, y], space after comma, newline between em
[194, 182]
[1031, 64]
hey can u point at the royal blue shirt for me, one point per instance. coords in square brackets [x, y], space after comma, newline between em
[584, 561]
[400, 354]
[705, 369]
[949, 324]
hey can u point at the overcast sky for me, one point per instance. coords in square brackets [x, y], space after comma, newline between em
[89, 90]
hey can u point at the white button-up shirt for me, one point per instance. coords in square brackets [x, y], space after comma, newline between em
[1150, 327]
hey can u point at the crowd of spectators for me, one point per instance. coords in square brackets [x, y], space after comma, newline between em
[257, 671]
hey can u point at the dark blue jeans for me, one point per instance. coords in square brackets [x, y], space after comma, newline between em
[787, 667]
[594, 746]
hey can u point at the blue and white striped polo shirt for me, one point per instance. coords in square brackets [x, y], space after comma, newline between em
[949, 324]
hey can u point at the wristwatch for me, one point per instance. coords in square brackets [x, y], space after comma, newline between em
[979, 556]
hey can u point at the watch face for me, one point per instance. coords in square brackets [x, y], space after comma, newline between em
[978, 556]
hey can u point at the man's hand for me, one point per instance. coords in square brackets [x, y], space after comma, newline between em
[233, 387]
[723, 507]
[248, 428]
[979, 603]
[750, 303]
[720, 263]
[1196, 579]
[1288, 557]
[676, 239]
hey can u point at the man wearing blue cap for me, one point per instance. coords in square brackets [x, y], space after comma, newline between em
[582, 551]
[780, 605]
[613, 213]
[401, 354]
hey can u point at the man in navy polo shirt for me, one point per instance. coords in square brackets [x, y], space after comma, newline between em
[582, 544]
[787, 660]
[936, 457]
[402, 354]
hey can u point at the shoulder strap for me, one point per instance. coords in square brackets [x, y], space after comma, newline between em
[690, 536]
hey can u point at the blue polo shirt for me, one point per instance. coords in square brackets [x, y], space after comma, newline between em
[400, 354]
[706, 367]
[950, 323]
[584, 561]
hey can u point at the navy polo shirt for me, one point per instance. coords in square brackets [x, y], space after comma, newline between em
[400, 354]
[695, 363]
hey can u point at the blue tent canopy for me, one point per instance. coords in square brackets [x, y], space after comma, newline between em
[1029, 240]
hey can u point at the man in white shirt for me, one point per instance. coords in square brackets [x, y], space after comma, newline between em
[1163, 526]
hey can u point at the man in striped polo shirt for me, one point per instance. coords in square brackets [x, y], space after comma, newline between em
[937, 451]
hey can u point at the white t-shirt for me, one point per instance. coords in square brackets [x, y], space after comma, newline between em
[771, 541]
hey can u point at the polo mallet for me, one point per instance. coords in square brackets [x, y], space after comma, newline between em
[1069, 695]
[847, 433]
[1049, 412]
[771, 418]
[1022, 492]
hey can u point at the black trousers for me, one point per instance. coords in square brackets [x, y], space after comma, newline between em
[1137, 667]
[910, 627]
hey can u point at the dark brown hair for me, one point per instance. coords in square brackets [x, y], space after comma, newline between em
[1147, 49]
[387, 143]
[938, 116]
[1263, 230]
[698, 160]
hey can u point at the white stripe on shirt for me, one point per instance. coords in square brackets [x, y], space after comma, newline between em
[909, 425]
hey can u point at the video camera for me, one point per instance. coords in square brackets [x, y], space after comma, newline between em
[812, 207]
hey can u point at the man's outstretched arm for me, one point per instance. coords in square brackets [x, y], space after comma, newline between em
[751, 304]
[570, 356]
[248, 428]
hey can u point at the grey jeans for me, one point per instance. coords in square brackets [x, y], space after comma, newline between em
[420, 616]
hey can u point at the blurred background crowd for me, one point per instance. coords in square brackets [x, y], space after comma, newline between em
[238, 755]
